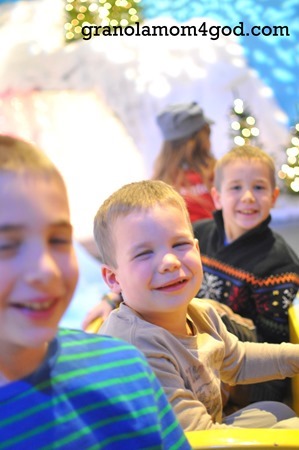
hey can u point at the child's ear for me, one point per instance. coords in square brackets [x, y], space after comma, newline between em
[197, 244]
[275, 195]
[110, 279]
[216, 196]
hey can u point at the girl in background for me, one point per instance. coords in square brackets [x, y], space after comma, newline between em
[185, 160]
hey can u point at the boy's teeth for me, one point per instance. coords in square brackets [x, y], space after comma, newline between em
[38, 306]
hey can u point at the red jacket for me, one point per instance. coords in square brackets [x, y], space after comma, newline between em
[197, 197]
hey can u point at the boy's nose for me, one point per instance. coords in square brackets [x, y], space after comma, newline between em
[248, 196]
[41, 270]
[169, 263]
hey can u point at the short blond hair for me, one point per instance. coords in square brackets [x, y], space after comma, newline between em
[137, 196]
[246, 153]
[20, 156]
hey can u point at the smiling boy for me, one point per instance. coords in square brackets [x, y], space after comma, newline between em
[255, 270]
[247, 266]
[245, 190]
[164, 292]
[150, 256]
[61, 388]
[38, 266]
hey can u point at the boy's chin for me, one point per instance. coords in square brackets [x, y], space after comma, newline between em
[39, 337]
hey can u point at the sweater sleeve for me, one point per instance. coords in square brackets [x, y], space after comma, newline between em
[250, 362]
[247, 362]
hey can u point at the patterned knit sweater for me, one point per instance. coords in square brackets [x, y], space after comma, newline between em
[257, 275]
[91, 392]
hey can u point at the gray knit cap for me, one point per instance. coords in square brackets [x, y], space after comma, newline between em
[181, 120]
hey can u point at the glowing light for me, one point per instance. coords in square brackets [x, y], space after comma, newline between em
[292, 160]
[100, 13]
[238, 140]
[295, 185]
[255, 131]
[266, 92]
[250, 120]
[238, 62]
[246, 132]
[238, 102]
[69, 35]
[92, 7]
[295, 141]
[103, 12]
[238, 106]
[235, 125]
[281, 175]
[292, 151]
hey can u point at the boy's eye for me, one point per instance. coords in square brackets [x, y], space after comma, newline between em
[259, 187]
[183, 244]
[144, 253]
[7, 247]
[61, 240]
[236, 187]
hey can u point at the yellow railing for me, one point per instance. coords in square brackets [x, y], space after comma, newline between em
[94, 326]
[246, 438]
[294, 335]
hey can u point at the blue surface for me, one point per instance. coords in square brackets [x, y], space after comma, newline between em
[91, 287]
[274, 58]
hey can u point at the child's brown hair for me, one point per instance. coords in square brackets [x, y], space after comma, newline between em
[246, 153]
[191, 152]
[137, 196]
[17, 155]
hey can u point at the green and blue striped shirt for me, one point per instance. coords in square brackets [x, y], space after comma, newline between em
[91, 392]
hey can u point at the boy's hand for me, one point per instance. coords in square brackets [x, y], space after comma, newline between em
[103, 309]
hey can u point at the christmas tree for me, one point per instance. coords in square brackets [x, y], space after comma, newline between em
[289, 171]
[243, 124]
[104, 13]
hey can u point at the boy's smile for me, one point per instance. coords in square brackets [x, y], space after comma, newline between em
[38, 267]
[246, 196]
[158, 263]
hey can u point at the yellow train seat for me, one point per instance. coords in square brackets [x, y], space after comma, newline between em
[240, 439]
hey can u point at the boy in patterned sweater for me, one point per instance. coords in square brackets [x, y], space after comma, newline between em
[62, 389]
[247, 266]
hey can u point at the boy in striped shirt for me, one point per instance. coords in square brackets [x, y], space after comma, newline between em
[61, 389]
